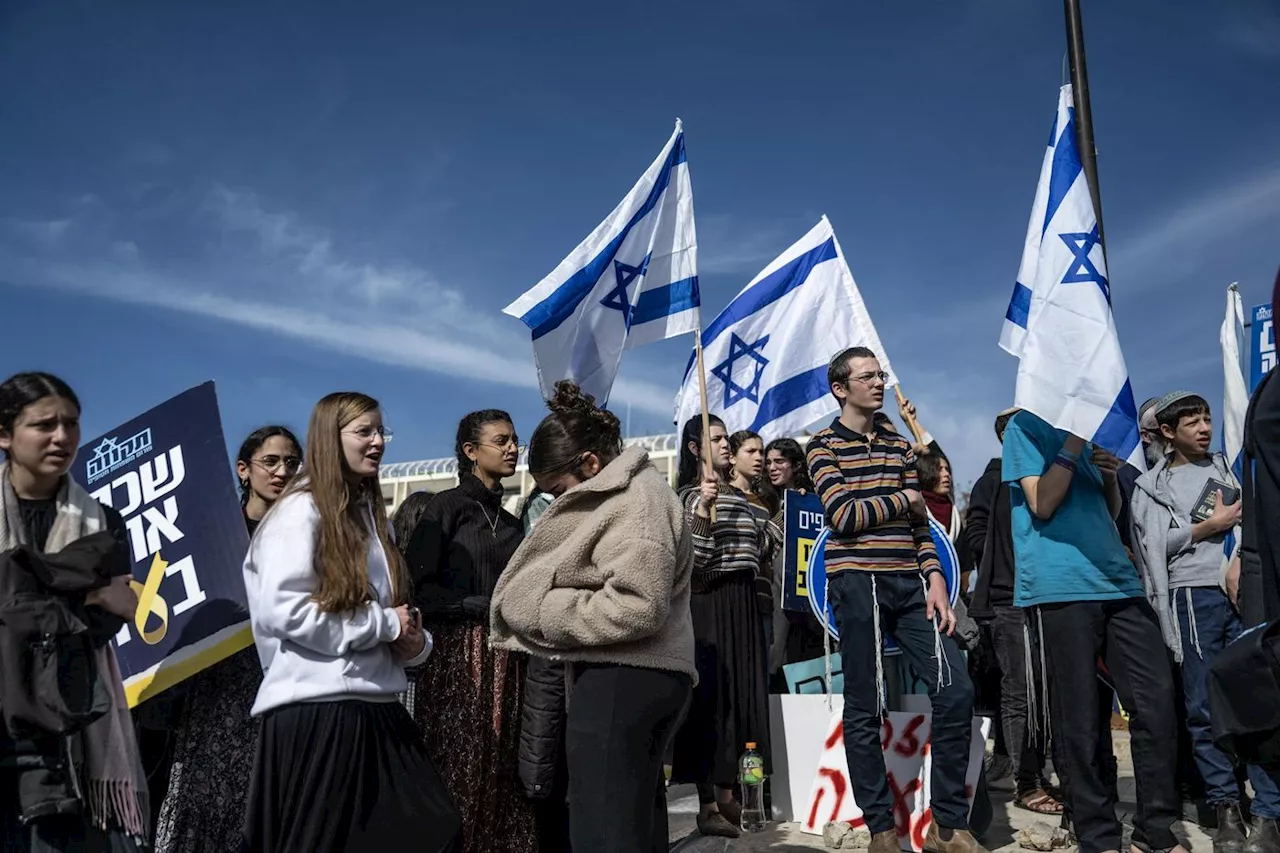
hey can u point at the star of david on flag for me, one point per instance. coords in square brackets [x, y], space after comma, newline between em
[767, 352]
[632, 281]
[1059, 323]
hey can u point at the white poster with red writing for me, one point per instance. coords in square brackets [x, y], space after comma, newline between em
[905, 740]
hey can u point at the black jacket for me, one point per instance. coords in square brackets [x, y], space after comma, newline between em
[1260, 546]
[542, 721]
[50, 688]
[989, 518]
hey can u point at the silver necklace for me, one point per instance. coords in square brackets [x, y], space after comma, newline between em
[493, 522]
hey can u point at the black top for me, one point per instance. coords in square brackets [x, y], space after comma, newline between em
[251, 524]
[459, 549]
[989, 534]
[38, 517]
[1260, 548]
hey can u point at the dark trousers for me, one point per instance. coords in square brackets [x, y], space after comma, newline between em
[902, 615]
[1127, 636]
[621, 720]
[1208, 624]
[1018, 717]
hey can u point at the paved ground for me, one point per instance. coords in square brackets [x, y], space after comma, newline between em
[787, 838]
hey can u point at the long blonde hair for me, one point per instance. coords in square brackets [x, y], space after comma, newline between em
[341, 547]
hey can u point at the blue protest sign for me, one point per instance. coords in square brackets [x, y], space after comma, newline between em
[166, 473]
[1262, 345]
[817, 580]
[802, 521]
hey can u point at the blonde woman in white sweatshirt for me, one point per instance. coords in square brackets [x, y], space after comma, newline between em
[339, 764]
[602, 583]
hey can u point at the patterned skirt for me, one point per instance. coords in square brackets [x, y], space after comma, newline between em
[204, 809]
[467, 705]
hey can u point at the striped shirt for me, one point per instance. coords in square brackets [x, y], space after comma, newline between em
[860, 481]
[741, 540]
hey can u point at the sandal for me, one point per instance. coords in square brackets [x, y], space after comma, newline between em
[1039, 801]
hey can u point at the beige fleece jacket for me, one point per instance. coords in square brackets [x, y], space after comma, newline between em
[603, 577]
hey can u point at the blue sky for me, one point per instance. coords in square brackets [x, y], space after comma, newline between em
[292, 198]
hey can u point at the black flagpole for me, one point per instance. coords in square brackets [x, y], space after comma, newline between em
[1084, 116]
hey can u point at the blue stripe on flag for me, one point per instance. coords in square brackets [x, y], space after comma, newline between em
[1019, 305]
[1118, 431]
[789, 395]
[769, 290]
[1066, 168]
[665, 301]
[547, 315]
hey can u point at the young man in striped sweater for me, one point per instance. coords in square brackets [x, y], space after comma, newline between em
[883, 578]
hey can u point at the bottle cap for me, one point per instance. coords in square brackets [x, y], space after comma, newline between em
[751, 744]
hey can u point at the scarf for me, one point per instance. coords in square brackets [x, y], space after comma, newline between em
[117, 790]
[944, 511]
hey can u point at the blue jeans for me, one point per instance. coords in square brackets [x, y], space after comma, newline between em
[899, 599]
[1215, 625]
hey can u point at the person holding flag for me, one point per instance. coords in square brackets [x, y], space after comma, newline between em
[1062, 453]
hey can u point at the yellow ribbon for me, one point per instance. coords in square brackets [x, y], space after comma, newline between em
[150, 602]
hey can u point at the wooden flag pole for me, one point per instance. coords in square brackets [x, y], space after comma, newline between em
[706, 415]
[912, 423]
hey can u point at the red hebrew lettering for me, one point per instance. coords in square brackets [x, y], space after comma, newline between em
[908, 745]
[836, 736]
[838, 787]
[921, 827]
[902, 804]
[886, 733]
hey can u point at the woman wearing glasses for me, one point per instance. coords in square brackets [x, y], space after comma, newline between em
[339, 765]
[214, 736]
[469, 695]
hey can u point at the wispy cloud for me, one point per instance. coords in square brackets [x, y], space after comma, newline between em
[1253, 27]
[272, 271]
[728, 243]
[1200, 222]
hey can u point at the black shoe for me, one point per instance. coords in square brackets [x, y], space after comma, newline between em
[1264, 837]
[1232, 830]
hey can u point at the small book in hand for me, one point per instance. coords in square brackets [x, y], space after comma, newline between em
[1209, 496]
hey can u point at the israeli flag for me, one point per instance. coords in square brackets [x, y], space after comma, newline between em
[1071, 371]
[1235, 394]
[634, 280]
[766, 355]
[1235, 399]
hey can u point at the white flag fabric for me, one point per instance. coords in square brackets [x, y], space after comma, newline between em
[767, 353]
[634, 280]
[1071, 371]
[1235, 394]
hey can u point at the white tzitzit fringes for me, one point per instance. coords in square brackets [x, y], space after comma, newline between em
[1033, 704]
[1044, 680]
[826, 651]
[875, 619]
[939, 653]
[1191, 624]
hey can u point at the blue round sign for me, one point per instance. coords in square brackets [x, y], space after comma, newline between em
[816, 580]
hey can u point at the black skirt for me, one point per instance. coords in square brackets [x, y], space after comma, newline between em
[731, 702]
[331, 777]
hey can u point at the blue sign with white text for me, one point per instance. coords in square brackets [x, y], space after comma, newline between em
[165, 472]
[1262, 345]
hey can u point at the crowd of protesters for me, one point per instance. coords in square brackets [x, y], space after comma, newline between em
[460, 678]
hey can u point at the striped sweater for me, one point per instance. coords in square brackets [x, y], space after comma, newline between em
[861, 483]
[739, 541]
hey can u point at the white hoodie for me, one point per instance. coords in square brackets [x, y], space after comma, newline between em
[309, 655]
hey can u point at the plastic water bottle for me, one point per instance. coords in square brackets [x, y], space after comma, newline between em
[751, 779]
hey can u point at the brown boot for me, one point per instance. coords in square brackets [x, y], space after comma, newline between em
[732, 812]
[715, 824]
[940, 840]
[885, 842]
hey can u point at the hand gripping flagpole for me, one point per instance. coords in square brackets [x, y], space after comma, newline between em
[706, 414]
[912, 423]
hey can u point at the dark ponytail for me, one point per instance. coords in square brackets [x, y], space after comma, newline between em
[575, 426]
[253, 444]
[690, 472]
[469, 429]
